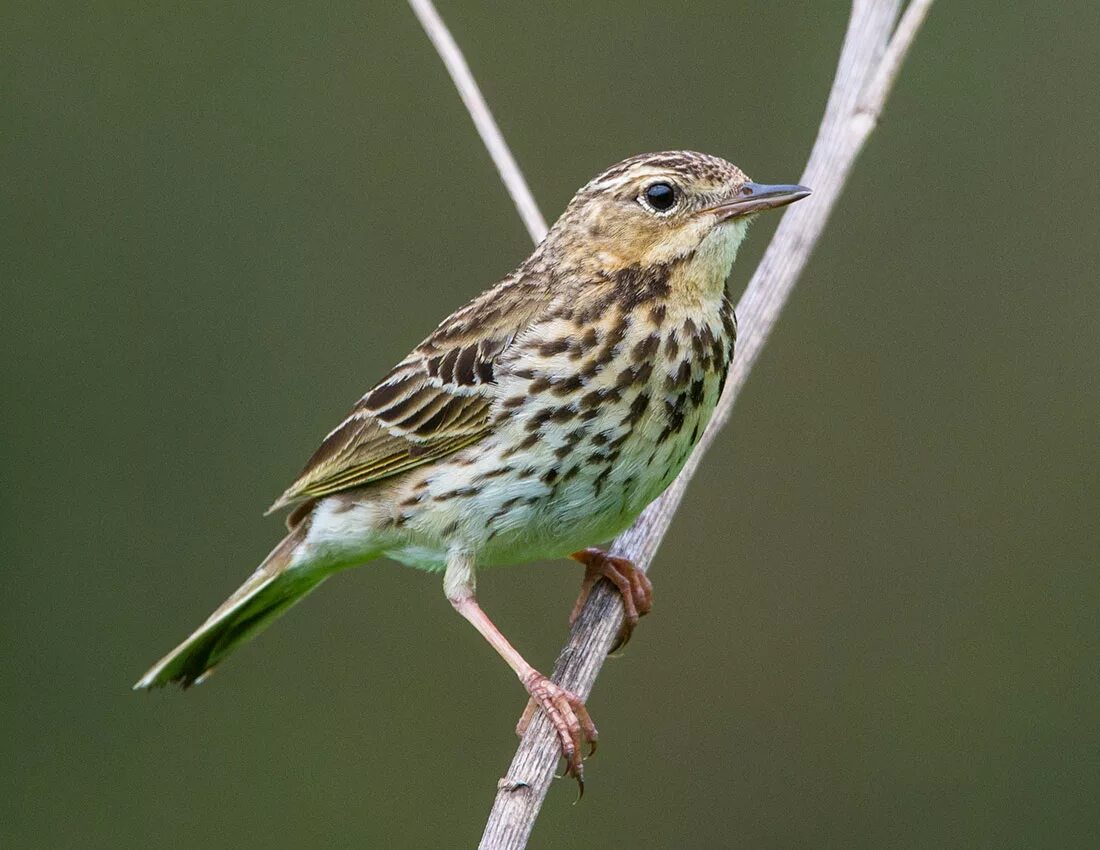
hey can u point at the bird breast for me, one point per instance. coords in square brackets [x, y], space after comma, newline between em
[597, 417]
[593, 418]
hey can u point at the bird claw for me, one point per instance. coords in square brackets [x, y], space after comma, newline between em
[564, 709]
[570, 719]
[633, 585]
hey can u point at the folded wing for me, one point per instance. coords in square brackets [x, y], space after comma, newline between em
[435, 402]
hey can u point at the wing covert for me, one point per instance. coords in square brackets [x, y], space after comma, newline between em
[436, 401]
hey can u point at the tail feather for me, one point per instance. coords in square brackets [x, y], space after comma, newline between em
[270, 591]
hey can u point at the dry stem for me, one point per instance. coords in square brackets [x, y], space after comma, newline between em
[483, 119]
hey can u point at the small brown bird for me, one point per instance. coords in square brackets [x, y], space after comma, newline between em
[539, 419]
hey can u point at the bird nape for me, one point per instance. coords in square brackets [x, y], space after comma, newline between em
[538, 419]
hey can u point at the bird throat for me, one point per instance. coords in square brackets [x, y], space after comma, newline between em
[708, 267]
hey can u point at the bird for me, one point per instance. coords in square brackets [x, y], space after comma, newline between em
[534, 422]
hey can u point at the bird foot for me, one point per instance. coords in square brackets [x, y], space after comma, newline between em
[634, 586]
[569, 717]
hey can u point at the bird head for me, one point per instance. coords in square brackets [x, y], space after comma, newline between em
[661, 208]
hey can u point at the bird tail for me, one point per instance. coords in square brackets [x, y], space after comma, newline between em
[271, 590]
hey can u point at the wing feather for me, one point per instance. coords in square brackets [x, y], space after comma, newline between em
[436, 401]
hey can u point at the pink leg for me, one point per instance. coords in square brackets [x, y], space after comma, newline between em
[633, 585]
[565, 710]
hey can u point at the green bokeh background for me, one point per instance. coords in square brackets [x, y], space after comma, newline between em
[876, 618]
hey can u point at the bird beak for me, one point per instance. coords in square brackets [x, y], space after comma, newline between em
[754, 197]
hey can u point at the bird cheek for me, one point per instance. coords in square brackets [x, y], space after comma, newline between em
[664, 250]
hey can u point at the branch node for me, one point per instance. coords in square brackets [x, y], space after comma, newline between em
[511, 786]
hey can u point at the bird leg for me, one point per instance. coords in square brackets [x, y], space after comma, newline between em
[634, 586]
[564, 709]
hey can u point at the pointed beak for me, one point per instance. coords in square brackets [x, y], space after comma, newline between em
[755, 197]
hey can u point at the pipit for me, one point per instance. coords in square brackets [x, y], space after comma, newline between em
[538, 419]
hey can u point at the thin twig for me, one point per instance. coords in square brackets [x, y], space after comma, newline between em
[483, 119]
[870, 59]
[879, 88]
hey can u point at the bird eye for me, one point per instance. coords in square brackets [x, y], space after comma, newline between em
[660, 197]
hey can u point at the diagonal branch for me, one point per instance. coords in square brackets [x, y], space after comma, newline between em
[870, 59]
[483, 119]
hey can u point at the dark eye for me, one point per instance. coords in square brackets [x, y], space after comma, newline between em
[660, 196]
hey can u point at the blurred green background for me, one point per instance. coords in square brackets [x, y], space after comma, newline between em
[876, 619]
